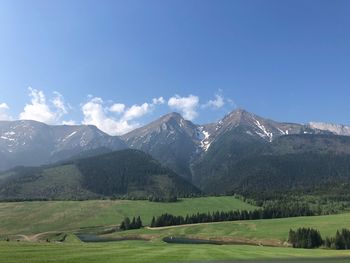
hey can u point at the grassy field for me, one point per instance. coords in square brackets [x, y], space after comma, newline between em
[268, 229]
[35, 217]
[142, 252]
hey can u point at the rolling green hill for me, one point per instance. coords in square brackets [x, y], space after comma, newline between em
[272, 231]
[71, 215]
[129, 173]
[156, 250]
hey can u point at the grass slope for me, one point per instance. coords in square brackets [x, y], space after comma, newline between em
[35, 217]
[268, 229]
[148, 252]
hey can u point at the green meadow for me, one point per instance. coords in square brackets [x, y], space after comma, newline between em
[35, 217]
[150, 252]
[267, 229]
[266, 237]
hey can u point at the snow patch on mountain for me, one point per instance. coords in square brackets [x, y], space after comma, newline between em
[265, 133]
[7, 138]
[337, 129]
[203, 136]
[68, 136]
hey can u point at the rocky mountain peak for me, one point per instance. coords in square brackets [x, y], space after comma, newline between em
[337, 129]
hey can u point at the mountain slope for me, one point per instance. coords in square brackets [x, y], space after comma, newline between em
[31, 143]
[211, 156]
[245, 137]
[237, 136]
[127, 172]
[171, 139]
[337, 129]
[208, 154]
[267, 176]
[300, 161]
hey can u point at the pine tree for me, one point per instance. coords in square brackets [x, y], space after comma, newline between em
[122, 226]
[127, 223]
[138, 222]
[133, 223]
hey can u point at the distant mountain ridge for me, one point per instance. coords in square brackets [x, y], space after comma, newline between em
[170, 139]
[337, 129]
[210, 156]
[31, 143]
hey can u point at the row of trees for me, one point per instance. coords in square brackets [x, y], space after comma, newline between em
[269, 212]
[167, 199]
[340, 241]
[311, 238]
[135, 223]
[305, 238]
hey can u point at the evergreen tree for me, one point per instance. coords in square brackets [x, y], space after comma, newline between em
[138, 222]
[133, 223]
[127, 223]
[122, 226]
[153, 223]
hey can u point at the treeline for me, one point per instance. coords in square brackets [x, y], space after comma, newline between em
[269, 212]
[135, 223]
[167, 199]
[311, 238]
[305, 238]
[341, 240]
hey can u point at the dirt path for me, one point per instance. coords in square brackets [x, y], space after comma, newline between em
[185, 225]
[36, 237]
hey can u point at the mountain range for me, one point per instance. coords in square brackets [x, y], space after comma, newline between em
[31, 143]
[217, 157]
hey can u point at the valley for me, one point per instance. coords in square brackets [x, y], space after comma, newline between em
[69, 205]
[47, 232]
[177, 131]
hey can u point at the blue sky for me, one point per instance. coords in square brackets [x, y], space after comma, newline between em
[285, 60]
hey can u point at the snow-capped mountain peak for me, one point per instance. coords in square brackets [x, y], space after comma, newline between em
[34, 143]
[337, 129]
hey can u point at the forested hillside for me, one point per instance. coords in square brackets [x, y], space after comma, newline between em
[126, 173]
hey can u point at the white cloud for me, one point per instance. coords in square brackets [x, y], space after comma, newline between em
[3, 112]
[95, 113]
[59, 104]
[216, 103]
[70, 122]
[117, 108]
[159, 100]
[137, 111]
[40, 110]
[187, 105]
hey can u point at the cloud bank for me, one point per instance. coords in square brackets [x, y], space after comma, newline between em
[216, 103]
[3, 112]
[40, 110]
[112, 118]
[117, 119]
[186, 105]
